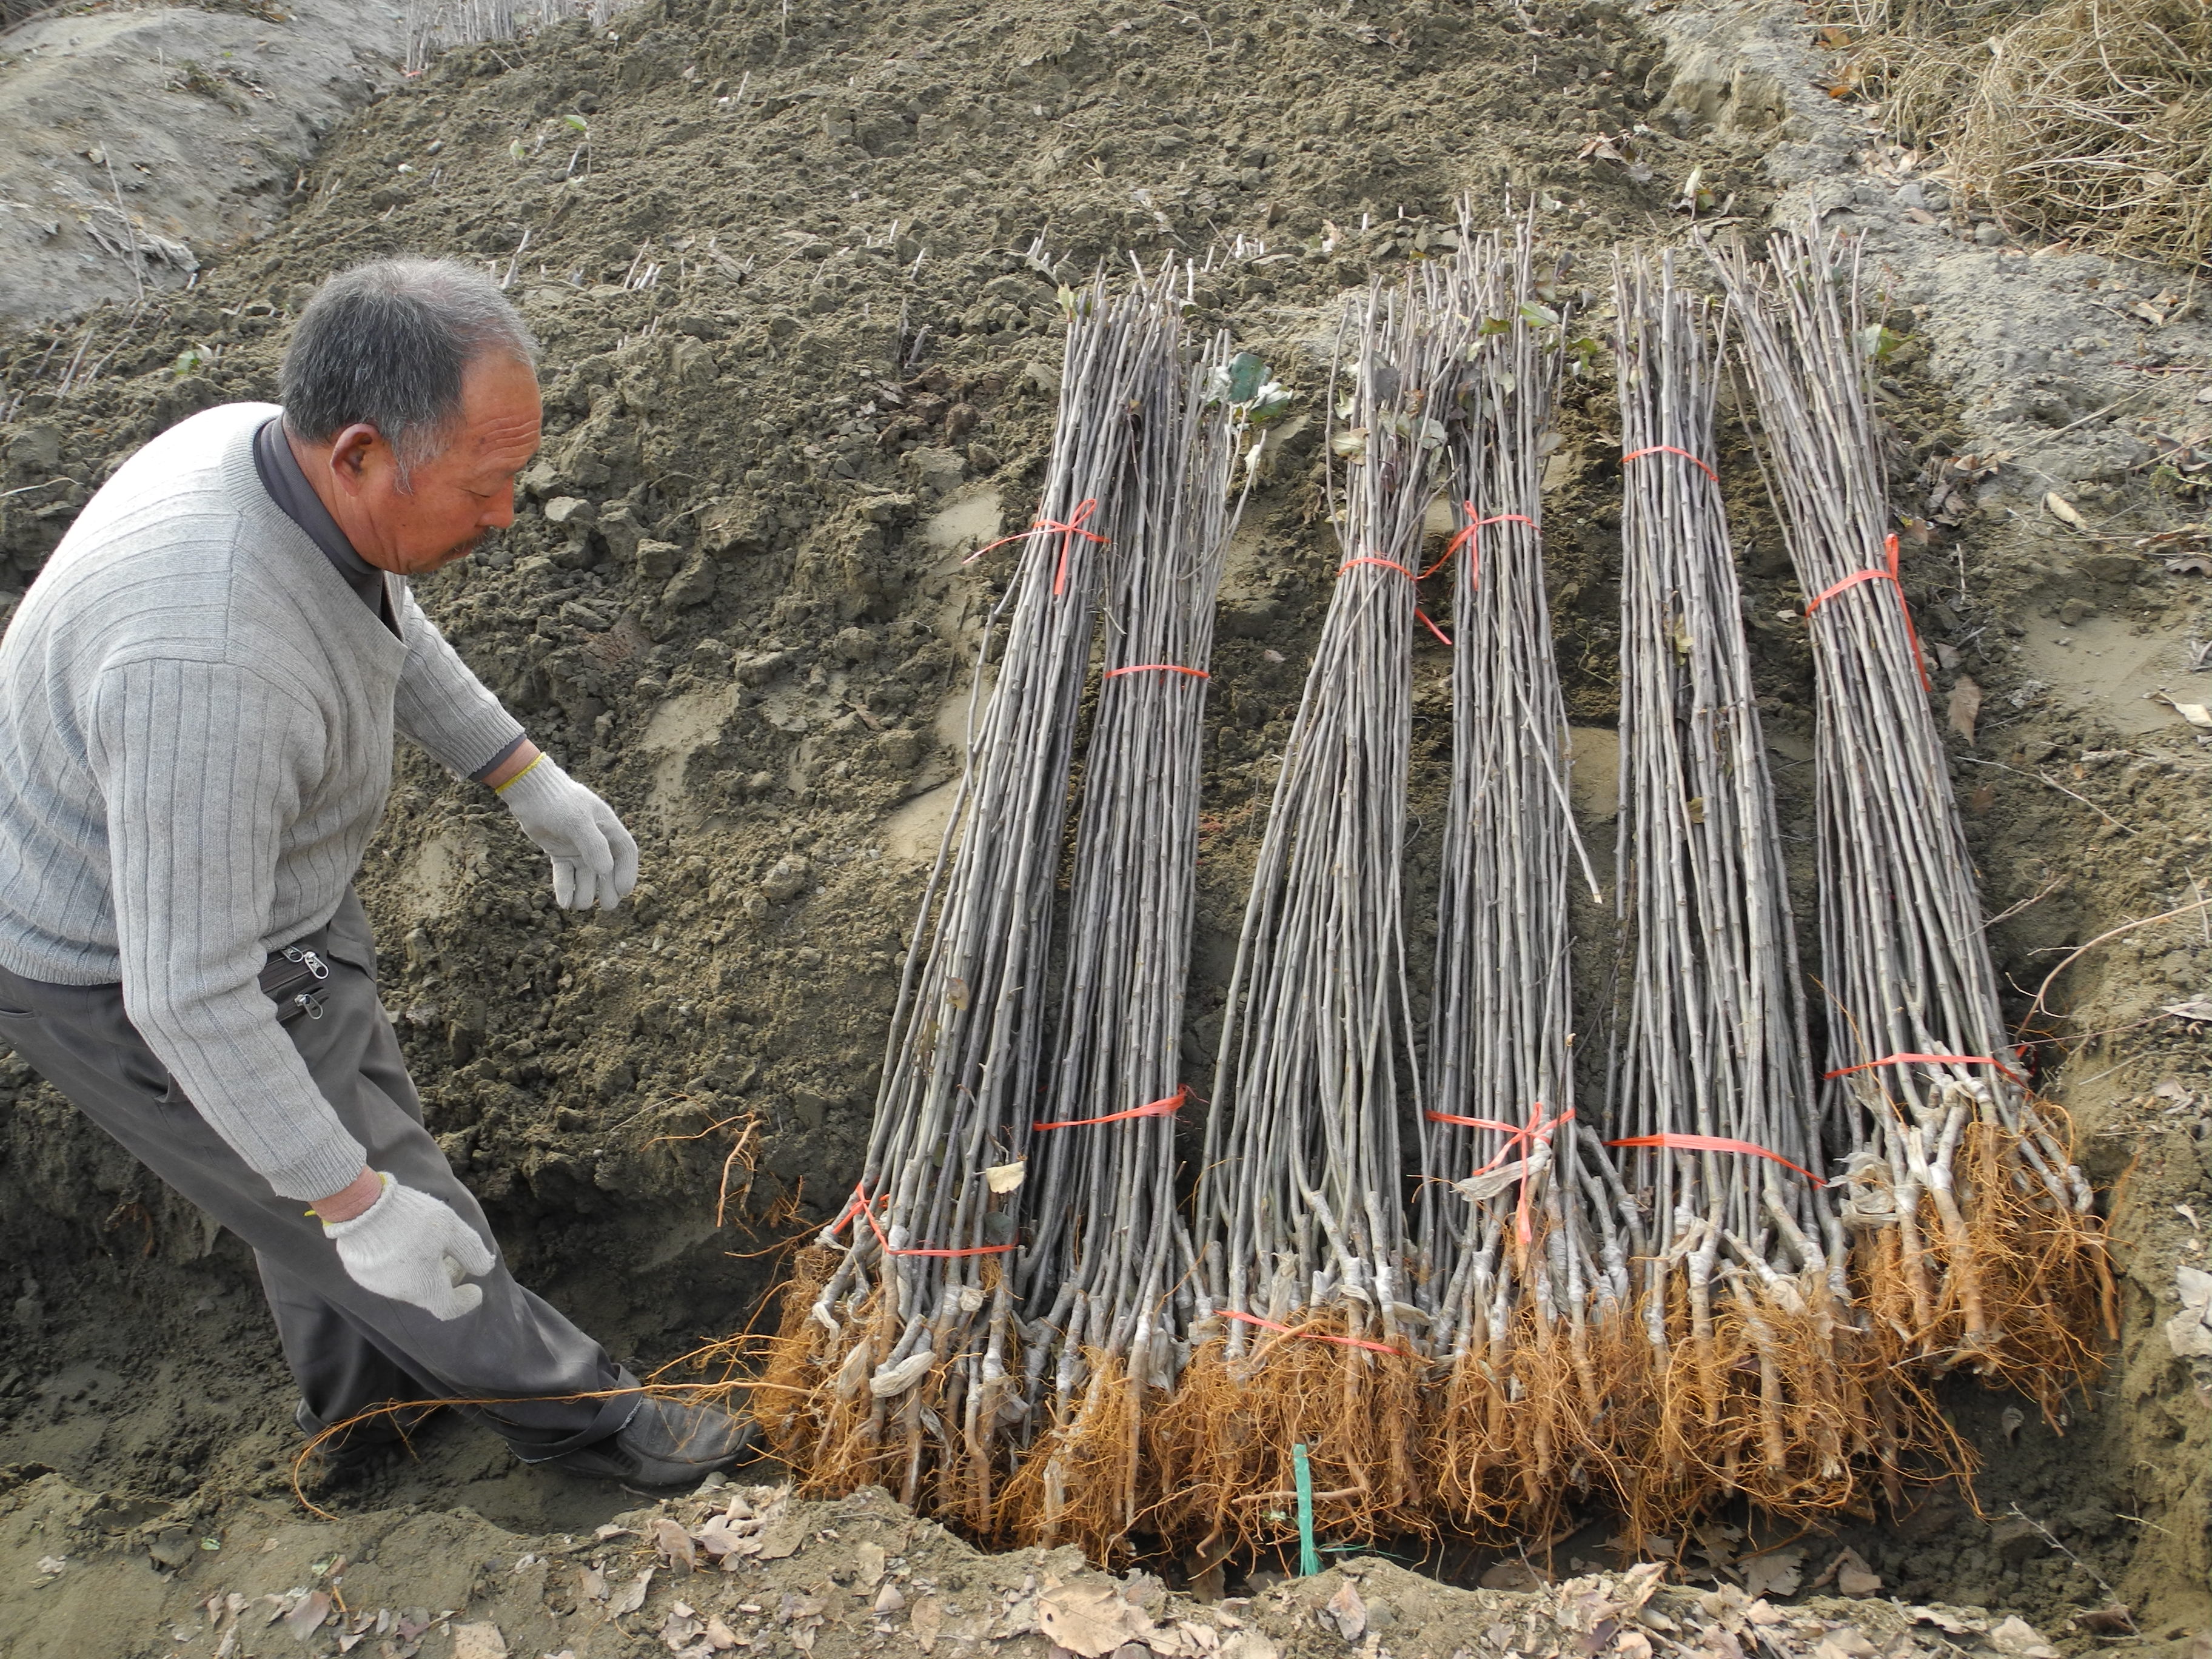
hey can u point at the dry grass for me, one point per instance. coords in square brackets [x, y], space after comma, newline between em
[2088, 121]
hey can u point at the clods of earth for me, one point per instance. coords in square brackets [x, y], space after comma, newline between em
[748, 1568]
[795, 271]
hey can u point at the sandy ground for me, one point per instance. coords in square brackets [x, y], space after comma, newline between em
[159, 136]
[800, 353]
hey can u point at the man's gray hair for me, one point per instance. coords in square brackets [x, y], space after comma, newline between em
[387, 343]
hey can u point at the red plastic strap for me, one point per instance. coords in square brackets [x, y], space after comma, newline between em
[1930, 1060]
[1715, 1144]
[1468, 538]
[864, 1206]
[1369, 558]
[1069, 531]
[1167, 1107]
[1669, 449]
[1158, 668]
[1312, 1336]
[1889, 576]
[1423, 617]
[1516, 1134]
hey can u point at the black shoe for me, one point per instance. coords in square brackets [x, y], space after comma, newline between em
[664, 1443]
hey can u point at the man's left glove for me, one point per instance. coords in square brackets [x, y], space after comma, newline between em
[594, 858]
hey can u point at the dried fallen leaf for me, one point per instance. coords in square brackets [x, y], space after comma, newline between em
[1248, 1644]
[1857, 1581]
[890, 1599]
[1090, 1619]
[306, 1619]
[2188, 1333]
[1006, 1177]
[719, 1636]
[1777, 1573]
[784, 1538]
[2017, 1637]
[2195, 1008]
[2114, 1620]
[679, 1627]
[633, 1598]
[928, 1619]
[478, 1641]
[867, 1566]
[592, 1586]
[1513, 1574]
[1945, 1620]
[1347, 1612]
[51, 1565]
[1966, 707]
[672, 1542]
[2063, 510]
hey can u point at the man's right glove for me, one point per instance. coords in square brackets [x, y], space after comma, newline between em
[412, 1247]
[594, 858]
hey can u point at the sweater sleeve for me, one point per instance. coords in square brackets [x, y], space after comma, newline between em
[199, 763]
[442, 705]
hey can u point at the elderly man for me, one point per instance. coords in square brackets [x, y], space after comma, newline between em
[197, 698]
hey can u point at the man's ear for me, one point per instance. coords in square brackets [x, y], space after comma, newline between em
[349, 454]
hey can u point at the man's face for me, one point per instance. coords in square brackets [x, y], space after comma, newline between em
[453, 499]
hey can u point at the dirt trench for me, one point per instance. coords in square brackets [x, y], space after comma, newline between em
[795, 271]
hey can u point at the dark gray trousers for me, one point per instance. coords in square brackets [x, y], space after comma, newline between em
[544, 1385]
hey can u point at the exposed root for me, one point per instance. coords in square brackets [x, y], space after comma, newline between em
[1222, 1447]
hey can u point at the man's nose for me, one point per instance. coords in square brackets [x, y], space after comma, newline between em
[501, 514]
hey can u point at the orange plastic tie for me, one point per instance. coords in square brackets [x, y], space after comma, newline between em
[1067, 531]
[1516, 1134]
[1715, 1144]
[1167, 1107]
[1311, 1336]
[1369, 558]
[1669, 449]
[1930, 1060]
[1891, 577]
[864, 1206]
[1423, 616]
[1157, 668]
[1468, 538]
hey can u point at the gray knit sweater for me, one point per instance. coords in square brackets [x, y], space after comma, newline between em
[196, 725]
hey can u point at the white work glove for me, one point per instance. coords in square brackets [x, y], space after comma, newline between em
[594, 858]
[412, 1247]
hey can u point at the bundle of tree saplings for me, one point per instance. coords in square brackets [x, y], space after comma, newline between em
[1105, 1275]
[1301, 1386]
[1755, 1376]
[1524, 1276]
[899, 1361]
[1975, 1245]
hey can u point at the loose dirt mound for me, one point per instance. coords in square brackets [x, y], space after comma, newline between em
[137, 141]
[795, 274]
